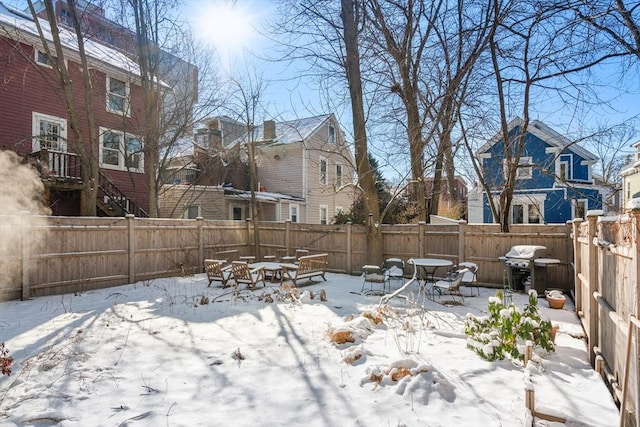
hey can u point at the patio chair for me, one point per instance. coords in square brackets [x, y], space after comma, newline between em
[373, 274]
[470, 278]
[450, 283]
[242, 273]
[217, 271]
[393, 269]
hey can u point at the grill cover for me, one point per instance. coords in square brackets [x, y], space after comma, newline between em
[526, 252]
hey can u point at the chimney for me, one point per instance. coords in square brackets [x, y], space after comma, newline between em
[269, 129]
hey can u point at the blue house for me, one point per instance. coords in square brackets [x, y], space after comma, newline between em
[554, 179]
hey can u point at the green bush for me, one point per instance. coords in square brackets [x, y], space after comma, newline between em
[506, 329]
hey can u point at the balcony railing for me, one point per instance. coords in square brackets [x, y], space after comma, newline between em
[57, 165]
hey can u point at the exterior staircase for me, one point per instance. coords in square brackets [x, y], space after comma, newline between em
[63, 171]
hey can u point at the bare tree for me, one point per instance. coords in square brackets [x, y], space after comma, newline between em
[246, 105]
[618, 21]
[87, 149]
[328, 38]
[352, 17]
[428, 52]
[536, 53]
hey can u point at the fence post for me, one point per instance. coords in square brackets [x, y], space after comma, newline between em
[287, 236]
[594, 310]
[249, 236]
[421, 232]
[577, 263]
[200, 222]
[132, 247]
[462, 228]
[349, 247]
[26, 288]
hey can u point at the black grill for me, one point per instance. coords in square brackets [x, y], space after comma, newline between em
[526, 267]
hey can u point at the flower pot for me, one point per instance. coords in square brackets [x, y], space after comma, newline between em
[556, 299]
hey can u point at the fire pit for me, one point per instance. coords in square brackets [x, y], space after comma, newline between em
[527, 265]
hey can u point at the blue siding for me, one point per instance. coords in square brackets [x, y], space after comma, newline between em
[558, 206]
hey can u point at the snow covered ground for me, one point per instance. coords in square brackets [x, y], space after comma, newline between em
[157, 353]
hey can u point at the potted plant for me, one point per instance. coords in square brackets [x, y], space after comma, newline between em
[555, 299]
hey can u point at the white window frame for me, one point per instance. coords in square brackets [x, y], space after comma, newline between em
[339, 175]
[525, 201]
[36, 119]
[563, 160]
[242, 212]
[324, 214]
[331, 134]
[574, 206]
[524, 171]
[185, 215]
[122, 164]
[323, 178]
[294, 213]
[46, 63]
[126, 105]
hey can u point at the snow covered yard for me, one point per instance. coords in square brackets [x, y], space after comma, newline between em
[173, 352]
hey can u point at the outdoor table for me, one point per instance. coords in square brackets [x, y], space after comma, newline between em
[274, 269]
[429, 266]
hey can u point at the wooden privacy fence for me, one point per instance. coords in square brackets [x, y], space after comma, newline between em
[607, 269]
[51, 255]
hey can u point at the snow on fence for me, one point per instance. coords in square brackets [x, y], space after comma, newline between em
[607, 269]
[52, 255]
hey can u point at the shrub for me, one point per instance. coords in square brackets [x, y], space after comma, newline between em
[505, 330]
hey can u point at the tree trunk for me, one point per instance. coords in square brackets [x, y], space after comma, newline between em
[349, 15]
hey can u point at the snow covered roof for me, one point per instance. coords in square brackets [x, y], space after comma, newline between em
[263, 196]
[288, 132]
[21, 26]
[545, 133]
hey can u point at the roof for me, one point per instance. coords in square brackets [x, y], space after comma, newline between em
[23, 24]
[260, 195]
[288, 132]
[545, 133]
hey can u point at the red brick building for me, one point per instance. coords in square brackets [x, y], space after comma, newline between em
[34, 121]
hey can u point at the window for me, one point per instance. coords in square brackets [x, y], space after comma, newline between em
[133, 152]
[117, 96]
[628, 190]
[237, 213]
[563, 168]
[339, 181]
[65, 18]
[49, 132]
[526, 211]
[533, 214]
[517, 216]
[43, 59]
[324, 214]
[332, 135]
[323, 171]
[293, 213]
[524, 170]
[192, 212]
[580, 208]
[119, 150]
